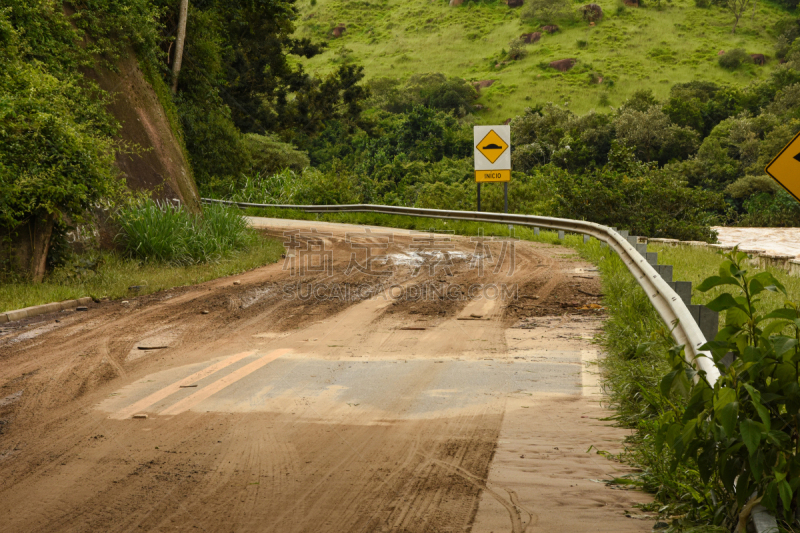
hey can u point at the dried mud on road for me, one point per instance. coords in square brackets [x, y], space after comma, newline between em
[444, 386]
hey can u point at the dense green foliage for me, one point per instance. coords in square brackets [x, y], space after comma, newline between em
[57, 139]
[240, 76]
[432, 90]
[635, 195]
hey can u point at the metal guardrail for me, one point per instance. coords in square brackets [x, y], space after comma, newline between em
[670, 307]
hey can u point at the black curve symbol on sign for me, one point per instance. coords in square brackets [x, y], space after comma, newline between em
[797, 157]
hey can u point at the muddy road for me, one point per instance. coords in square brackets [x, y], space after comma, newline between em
[373, 381]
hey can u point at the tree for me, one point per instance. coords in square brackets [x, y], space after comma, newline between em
[259, 76]
[738, 8]
[640, 196]
[57, 157]
[176, 63]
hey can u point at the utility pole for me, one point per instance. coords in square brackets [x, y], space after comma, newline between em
[183, 14]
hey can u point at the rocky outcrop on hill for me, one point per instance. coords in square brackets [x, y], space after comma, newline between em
[563, 65]
[530, 38]
[158, 163]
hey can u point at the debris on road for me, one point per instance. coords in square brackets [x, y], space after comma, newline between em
[589, 293]
[11, 398]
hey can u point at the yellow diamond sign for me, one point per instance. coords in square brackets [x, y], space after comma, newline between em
[785, 168]
[492, 146]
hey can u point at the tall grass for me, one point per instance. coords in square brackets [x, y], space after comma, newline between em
[635, 341]
[695, 265]
[166, 233]
[277, 188]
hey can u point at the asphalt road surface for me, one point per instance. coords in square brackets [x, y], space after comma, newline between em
[373, 381]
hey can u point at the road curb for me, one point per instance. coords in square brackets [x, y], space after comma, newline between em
[19, 314]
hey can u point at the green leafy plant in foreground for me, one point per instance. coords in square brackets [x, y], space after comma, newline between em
[741, 433]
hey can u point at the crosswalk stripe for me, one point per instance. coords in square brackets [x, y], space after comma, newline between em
[157, 396]
[213, 388]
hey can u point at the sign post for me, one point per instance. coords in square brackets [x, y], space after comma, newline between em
[493, 158]
[785, 168]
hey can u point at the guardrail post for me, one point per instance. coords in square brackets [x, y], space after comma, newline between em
[623, 232]
[634, 240]
[665, 271]
[536, 231]
[652, 258]
[586, 238]
[561, 235]
[683, 289]
[707, 319]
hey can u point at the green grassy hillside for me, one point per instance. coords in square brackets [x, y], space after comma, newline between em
[631, 48]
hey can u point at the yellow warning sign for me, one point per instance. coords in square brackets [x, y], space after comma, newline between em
[492, 146]
[785, 168]
[486, 176]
